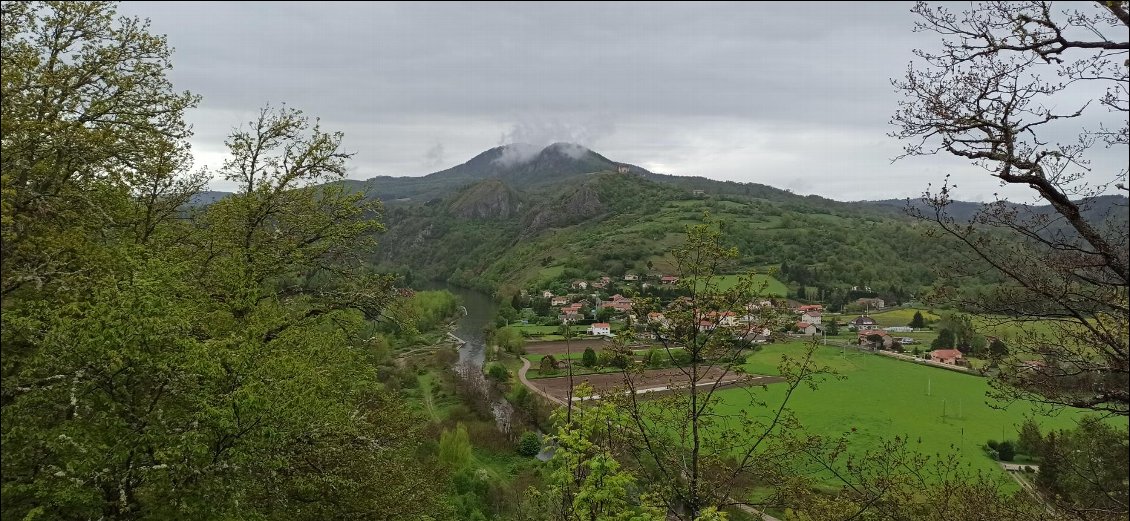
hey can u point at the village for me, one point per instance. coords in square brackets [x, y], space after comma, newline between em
[593, 330]
[598, 309]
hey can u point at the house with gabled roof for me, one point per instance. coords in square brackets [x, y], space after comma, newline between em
[807, 329]
[864, 322]
[947, 356]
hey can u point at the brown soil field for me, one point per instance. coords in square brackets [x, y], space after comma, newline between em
[654, 379]
[554, 347]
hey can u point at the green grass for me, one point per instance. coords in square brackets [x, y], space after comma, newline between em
[882, 398]
[550, 273]
[426, 385]
[1005, 328]
[773, 287]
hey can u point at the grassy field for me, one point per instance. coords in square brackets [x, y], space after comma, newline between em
[882, 398]
[773, 287]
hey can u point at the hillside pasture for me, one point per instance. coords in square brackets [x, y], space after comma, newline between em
[940, 412]
[773, 287]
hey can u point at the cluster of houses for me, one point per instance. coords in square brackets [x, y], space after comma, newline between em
[810, 321]
[569, 307]
[605, 282]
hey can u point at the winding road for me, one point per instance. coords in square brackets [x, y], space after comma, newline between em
[534, 388]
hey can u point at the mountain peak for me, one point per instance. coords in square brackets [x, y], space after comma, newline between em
[572, 150]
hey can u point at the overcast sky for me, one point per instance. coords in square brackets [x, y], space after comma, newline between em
[792, 95]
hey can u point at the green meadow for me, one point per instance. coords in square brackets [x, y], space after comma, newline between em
[773, 287]
[941, 411]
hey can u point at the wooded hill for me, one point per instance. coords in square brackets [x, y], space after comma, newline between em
[517, 215]
[509, 217]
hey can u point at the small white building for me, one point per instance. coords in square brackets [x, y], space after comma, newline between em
[807, 329]
[601, 329]
[546, 294]
[812, 317]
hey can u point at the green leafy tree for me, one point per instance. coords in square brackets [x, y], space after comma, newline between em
[588, 359]
[876, 341]
[547, 365]
[163, 362]
[455, 448]
[498, 373]
[1006, 451]
[832, 328]
[944, 340]
[1083, 470]
[586, 480]
[997, 348]
[918, 322]
[1030, 441]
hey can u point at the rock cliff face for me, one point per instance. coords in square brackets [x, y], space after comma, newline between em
[582, 204]
[490, 199]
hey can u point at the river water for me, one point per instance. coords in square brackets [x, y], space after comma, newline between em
[481, 309]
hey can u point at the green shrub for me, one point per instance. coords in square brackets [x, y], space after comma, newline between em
[588, 359]
[498, 373]
[1006, 451]
[529, 445]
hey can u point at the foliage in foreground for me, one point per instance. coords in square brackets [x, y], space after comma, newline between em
[160, 362]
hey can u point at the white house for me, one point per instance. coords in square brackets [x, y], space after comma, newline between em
[546, 294]
[601, 329]
[631, 276]
[812, 317]
[807, 329]
[863, 322]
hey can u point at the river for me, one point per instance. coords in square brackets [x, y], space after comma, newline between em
[481, 309]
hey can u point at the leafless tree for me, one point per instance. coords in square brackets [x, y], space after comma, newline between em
[1033, 94]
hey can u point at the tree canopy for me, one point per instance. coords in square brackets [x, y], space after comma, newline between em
[166, 361]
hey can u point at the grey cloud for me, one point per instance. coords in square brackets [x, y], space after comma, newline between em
[761, 92]
[433, 158]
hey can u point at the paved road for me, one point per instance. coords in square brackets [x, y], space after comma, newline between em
[536, 389]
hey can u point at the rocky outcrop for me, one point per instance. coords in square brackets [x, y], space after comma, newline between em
[582, 204]
[490, 199]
